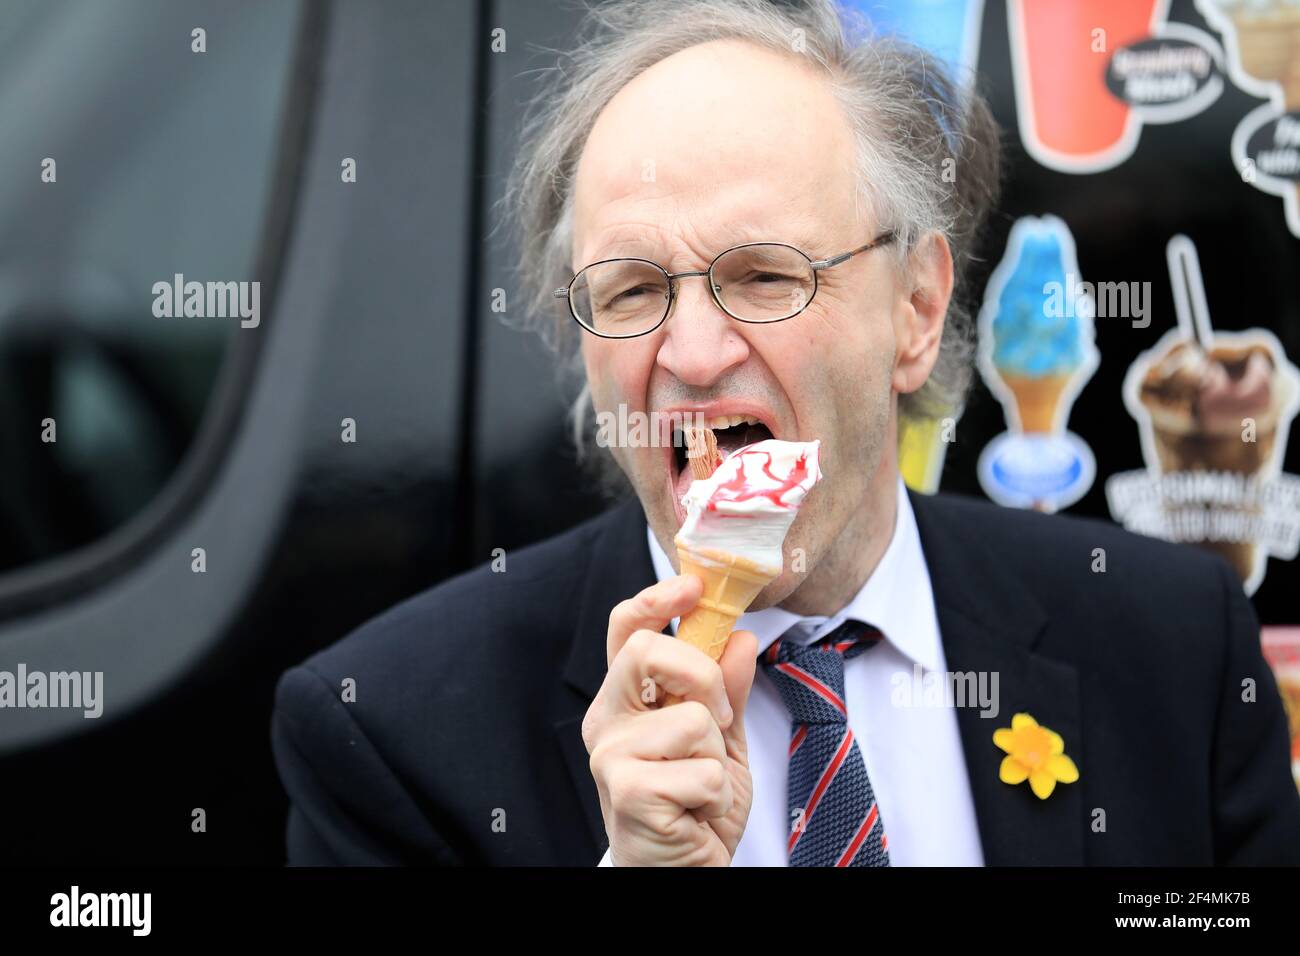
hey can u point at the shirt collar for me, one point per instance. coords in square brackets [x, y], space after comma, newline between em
[896, 598]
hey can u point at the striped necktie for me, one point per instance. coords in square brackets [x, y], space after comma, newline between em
[834, 820]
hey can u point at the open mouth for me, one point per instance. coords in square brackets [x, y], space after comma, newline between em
[731, 431]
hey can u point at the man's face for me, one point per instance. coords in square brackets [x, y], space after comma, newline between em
[720, 144]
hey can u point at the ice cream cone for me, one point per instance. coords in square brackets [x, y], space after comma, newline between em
[1037, 400]
[731, 583]
[733, 534]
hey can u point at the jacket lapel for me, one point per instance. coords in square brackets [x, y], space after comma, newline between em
[619, 567]
[989, 623]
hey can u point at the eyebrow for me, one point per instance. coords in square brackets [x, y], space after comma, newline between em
[652, 249]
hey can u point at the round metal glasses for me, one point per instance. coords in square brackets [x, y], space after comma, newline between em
[755, 282]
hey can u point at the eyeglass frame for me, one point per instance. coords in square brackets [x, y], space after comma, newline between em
[817, 265]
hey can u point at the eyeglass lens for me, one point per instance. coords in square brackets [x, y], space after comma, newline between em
[759, 283]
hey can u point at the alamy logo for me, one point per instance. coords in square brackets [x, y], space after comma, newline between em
[103, 909]
[82, 690]
[208, 300]
[946, 689]
[1101, 300]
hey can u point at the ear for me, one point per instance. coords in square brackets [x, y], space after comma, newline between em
[918, 324]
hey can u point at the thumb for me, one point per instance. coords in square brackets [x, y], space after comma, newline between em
[738, 663]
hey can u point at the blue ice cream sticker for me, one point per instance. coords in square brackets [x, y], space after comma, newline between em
[1035, 332]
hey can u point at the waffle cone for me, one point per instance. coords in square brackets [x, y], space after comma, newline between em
[1037, 400]
[731, 583]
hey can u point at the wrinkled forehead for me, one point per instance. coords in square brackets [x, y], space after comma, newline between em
[718, 144]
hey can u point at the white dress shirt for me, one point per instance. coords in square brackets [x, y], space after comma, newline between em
[912, 750]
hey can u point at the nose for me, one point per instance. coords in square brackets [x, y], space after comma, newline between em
[702, 343]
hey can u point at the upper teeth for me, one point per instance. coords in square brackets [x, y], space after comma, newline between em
[729, 421]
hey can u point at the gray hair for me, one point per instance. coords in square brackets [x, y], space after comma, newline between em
[927, 150]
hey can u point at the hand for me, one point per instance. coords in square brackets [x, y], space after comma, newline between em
[674, 782]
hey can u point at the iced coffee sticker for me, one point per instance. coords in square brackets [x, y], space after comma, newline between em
[1262, 42]
[1089, 74]
[1213, 411]
[1036, 351]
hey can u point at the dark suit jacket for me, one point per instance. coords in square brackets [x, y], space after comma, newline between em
[463, 745]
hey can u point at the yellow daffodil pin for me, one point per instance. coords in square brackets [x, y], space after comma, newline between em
[1034, 753]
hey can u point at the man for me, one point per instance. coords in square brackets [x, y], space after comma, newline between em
[1127, 716]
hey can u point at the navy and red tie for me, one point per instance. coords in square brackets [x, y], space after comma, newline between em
[834, 820]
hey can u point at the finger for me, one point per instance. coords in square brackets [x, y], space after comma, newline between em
[650, 658]
[700, 785]
[673, 733]
[651, 610]
[738, 664]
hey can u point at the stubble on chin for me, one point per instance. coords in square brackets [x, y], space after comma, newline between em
[649, 487]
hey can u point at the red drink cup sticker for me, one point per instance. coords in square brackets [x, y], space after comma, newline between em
[1090, 73]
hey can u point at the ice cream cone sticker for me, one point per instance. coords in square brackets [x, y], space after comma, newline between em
[1213, 412]
[1036, 352]
[1262, 39]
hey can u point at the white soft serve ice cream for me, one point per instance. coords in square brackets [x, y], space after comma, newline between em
[748, 504]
